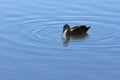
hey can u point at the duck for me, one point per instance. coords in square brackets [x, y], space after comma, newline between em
[76, 30]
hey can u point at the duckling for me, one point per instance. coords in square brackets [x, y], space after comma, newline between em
[76, 30]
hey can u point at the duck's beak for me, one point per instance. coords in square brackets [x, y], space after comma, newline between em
[63, 30]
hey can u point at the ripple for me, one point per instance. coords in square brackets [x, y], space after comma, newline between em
[40, 28]
[46, 33]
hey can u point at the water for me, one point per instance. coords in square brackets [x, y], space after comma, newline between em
[32, 47]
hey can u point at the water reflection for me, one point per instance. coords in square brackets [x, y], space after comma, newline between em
[80, 37]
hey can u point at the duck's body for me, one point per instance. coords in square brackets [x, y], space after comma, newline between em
[76, 30]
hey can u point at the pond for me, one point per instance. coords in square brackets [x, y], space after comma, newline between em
[32, 45]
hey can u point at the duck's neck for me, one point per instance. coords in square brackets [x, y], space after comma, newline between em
[65, 33]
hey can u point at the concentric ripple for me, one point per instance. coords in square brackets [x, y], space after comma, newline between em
[38, 29]
[46, 33]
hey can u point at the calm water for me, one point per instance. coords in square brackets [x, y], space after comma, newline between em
[31, 43]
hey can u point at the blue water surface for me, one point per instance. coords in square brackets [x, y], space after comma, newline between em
[32, 46]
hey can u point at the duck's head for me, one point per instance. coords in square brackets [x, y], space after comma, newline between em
[66, 27]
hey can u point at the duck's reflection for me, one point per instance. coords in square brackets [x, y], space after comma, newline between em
[67, 38]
